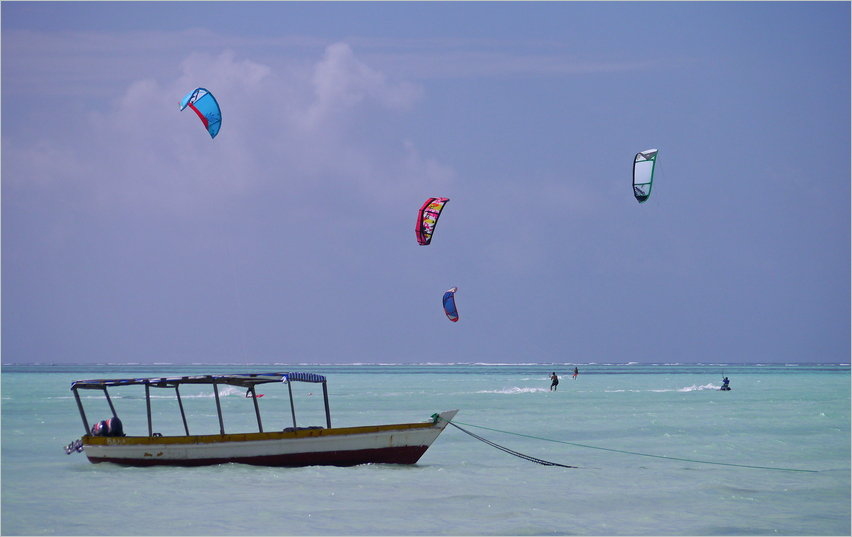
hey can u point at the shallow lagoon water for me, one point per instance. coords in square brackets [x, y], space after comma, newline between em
[658, 449]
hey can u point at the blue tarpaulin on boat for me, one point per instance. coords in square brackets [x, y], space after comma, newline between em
[306, 377]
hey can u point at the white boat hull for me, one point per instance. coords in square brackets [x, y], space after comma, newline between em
[348, 446]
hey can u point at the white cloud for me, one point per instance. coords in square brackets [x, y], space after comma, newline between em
[332, 125]
[343, 82]
[222, 72]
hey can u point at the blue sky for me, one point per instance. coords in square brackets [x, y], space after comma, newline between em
[128, 235]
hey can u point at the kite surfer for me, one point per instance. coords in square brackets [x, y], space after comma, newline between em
[576, 372]
[555, 382]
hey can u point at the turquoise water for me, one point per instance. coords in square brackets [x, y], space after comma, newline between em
[659, 451]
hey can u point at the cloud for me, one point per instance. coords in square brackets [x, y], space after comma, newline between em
[223, 72]
[347, 128]
[342, 81]
[330, 126]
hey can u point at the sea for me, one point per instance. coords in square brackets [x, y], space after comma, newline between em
[637, 449]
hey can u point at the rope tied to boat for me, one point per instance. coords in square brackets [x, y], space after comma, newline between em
[753, 467]
[502, 448]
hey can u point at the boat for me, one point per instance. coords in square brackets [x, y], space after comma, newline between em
[107, 441]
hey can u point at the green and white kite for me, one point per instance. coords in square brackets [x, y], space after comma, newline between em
[643, 174]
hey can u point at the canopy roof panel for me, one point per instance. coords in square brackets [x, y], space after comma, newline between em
[245, 380]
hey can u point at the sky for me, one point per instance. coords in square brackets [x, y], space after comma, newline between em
[130, 236]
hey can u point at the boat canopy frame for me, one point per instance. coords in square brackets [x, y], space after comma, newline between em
[248, 381]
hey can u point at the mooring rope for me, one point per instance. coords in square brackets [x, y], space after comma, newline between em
[509, 451]
[612, 450]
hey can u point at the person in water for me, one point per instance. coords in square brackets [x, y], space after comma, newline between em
[576, 372]
[555, 380]
[725, 383]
